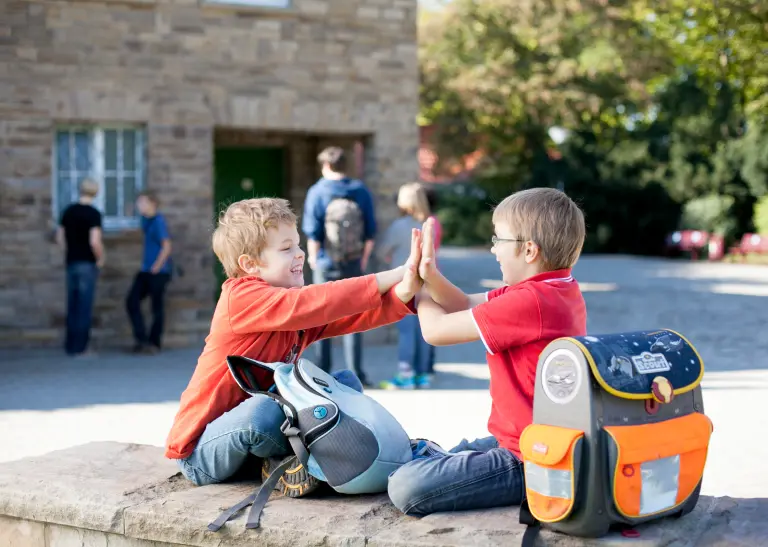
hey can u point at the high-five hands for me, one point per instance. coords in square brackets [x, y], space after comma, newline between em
[412, 282]
[427, 267]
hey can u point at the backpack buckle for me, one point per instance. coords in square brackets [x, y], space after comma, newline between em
[288, 429]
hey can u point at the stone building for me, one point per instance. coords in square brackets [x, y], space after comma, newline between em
[201, 101]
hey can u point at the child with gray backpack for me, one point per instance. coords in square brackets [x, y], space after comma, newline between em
[340, 226]
[266, 313]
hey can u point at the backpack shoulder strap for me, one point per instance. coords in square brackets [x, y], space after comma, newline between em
[259, 499]
[291, 431]
[533, 526]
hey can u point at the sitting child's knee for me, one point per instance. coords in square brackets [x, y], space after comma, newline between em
[405, 490]
[264, 415]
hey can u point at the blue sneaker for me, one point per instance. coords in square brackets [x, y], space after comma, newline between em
[422, 381]
[399, 382]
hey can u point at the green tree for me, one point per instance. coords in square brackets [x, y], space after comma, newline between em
[497, 74]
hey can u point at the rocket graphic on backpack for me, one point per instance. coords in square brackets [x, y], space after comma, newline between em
[619, 436]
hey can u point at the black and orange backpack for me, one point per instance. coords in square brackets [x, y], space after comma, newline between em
[619, 436]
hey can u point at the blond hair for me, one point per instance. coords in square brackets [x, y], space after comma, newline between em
[550, 219]
[89, 188]
[242, 229]
[412, 199]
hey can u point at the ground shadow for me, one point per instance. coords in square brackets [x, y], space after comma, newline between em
[50, 380]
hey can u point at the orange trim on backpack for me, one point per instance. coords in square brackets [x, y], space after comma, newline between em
[687, 436]
[551, 448]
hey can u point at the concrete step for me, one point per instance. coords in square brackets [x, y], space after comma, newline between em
[128, 495]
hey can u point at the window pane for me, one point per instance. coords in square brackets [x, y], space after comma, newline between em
[129, 196]
[110, 150]
[62, 150]
[64, 191]
[129, 149]
[110, 196]
[82, 151]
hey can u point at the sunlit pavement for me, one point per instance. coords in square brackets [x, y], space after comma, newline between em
[48, 401]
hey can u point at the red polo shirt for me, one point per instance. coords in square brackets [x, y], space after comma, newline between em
[515, 324]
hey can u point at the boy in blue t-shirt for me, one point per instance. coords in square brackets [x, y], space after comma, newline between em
[153, 277]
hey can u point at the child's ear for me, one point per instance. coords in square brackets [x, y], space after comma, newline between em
[248, 264]
[532, 252]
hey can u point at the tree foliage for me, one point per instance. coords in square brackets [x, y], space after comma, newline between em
[665, 103]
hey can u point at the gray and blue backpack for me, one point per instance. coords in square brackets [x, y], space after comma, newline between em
[341, 436]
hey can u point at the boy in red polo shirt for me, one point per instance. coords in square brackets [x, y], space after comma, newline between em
[538, 237]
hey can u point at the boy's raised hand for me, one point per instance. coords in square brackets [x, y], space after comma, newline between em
[411, 283]
[427, 267]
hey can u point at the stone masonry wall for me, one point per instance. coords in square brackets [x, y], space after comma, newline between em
[184, 69]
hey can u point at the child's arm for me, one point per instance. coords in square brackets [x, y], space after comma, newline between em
[257, 307]
[394, 305]
[445, 294]
[440, 328]
[511, 317]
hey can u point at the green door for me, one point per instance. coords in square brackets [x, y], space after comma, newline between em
[241, 173]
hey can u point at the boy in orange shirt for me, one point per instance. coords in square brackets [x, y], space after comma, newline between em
[265, 313]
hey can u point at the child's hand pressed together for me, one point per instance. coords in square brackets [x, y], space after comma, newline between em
[427, 267]
[411, 283]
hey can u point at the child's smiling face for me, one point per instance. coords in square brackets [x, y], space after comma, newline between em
[281, 263]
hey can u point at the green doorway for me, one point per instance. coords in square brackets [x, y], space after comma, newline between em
[242, 173]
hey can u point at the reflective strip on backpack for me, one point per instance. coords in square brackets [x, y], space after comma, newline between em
[553, 483]
[660, 480]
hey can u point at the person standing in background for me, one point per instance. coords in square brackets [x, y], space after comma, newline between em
[153, 277]
[340, 226]
[80, 233]
[413, 352]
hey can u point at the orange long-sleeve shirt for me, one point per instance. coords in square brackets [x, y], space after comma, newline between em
[262, 322]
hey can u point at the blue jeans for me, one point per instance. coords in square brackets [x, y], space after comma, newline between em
[353, 343]
[81, 289]
[476, 475]
[251, 428]
[411, 347]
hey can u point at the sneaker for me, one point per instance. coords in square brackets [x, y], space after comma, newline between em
[422, 448]
[296, 482]
[399, 382]
[422, 381]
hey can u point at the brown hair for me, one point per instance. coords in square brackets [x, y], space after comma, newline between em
[151, 196]
[550, 219]
[242, 229]
[334, 157]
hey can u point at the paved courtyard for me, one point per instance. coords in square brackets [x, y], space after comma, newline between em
[48, 402]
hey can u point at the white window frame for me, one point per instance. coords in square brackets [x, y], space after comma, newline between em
[98, 171]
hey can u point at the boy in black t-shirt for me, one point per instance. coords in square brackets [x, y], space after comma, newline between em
[80, 232]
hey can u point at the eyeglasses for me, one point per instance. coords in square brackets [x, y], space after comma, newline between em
[495, 240]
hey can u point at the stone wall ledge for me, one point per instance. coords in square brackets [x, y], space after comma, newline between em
[127, 495]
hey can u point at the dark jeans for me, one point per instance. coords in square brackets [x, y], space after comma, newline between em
[431, 361]
[353, 343]
[152, 285]
[81, 288]
[411, 347]
[476, 475]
